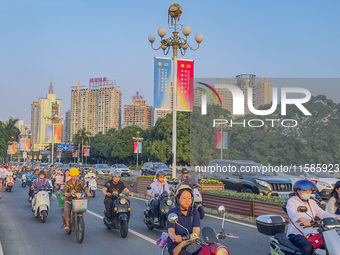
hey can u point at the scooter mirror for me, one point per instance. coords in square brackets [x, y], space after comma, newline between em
[173, 218]
[221, 209]
[302, 209]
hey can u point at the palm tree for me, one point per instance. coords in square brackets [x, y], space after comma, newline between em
[8, 133]
[81, 137]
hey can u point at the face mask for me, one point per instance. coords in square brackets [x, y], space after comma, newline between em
[305, 196]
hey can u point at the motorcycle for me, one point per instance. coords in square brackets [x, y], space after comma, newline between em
[77, 223]
[165, 204]
[274, 226]
[198, 202]
[92, 185]
[23, 181]
[57, 181]
[42, 205]
[209, 244]
[14, 176]
[120, 215]
[9, 183]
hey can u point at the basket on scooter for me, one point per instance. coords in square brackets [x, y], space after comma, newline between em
[60, 198]
[79, 205]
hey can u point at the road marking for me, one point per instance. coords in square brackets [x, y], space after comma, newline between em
[130, 230]
[1, 250]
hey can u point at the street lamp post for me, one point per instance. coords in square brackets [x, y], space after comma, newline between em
[137, 139]
[176, 42]
[54, 118]
[25, 135]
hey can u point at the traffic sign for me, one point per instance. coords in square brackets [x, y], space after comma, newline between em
[65, 147]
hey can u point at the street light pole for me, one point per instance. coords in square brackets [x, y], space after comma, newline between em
[176, 42]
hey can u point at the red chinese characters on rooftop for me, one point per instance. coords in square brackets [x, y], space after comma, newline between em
[98, 80]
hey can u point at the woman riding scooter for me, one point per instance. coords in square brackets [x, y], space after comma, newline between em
[300, 232]
[188, 217]
[42, 181]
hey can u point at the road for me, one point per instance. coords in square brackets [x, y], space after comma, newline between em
[21, 233]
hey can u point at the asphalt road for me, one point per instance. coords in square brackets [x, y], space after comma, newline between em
[22, 233]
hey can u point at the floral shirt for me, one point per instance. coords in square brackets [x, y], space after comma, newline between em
[78, 187]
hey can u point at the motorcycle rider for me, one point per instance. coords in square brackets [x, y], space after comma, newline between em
[333, 205]
[113, 186]
[2, 177]
[30, 180]
[189, 178]
[157, 187]
[88, 176]
[188, 217]
[72, 186]
[315, 192]
[298, 234]
[41, 181]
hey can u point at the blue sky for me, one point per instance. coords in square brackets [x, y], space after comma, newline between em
[83, 39]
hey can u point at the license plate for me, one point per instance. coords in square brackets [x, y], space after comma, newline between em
[283, 195]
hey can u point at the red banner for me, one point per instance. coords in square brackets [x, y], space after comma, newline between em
[185, 85]
[57, 133]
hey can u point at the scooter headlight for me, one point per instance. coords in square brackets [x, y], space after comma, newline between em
[43, 194]
[222, 251]
[122, 201]
[169, 202]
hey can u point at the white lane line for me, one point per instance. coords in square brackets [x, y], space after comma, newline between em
[1, 250]
[130, 230]
[212, 216]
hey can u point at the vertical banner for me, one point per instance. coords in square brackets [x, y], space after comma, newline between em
[40, 156]
[162, 79]
[86, 152]
[30, 157]
[59, 154]
[28, 144]
[137, 147]
[22, 143]
[57, 133]
[48, 133]
[74, 154]
[221, 141]
[48, 155]
[35, 157]
[218, 140]
[185, 85]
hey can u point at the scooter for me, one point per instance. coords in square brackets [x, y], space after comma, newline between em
[198, 202]
[77, 224]
[50, 189]
[165, 204]
[14, 175]
[274, 226]
[23, 181]
[42, 205]
[120, 215]
[92, 185]
[9, 183]
[209, 245]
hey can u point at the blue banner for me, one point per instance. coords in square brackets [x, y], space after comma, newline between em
[162, 79]
[225, 140]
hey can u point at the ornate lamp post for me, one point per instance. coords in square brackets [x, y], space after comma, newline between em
[176, 42]
[137, 139]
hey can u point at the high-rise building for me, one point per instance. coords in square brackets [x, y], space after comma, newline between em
[97, 108]
[138, 113]
[35, 117]
[67, 127]
[39, 111]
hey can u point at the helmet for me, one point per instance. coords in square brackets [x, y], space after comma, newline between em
[184, 170]
[116, 173]
[160, 173]
[74, 171]
[42, 172]
[180, 187]
[304, 185]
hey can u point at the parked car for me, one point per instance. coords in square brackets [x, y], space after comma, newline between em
[123, 169]
[86, 167]
[249, 177]
[102, 169]
[150, 168]
[325, 183]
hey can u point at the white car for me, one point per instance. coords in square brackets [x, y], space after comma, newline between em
[123, 169]
[325, 183]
